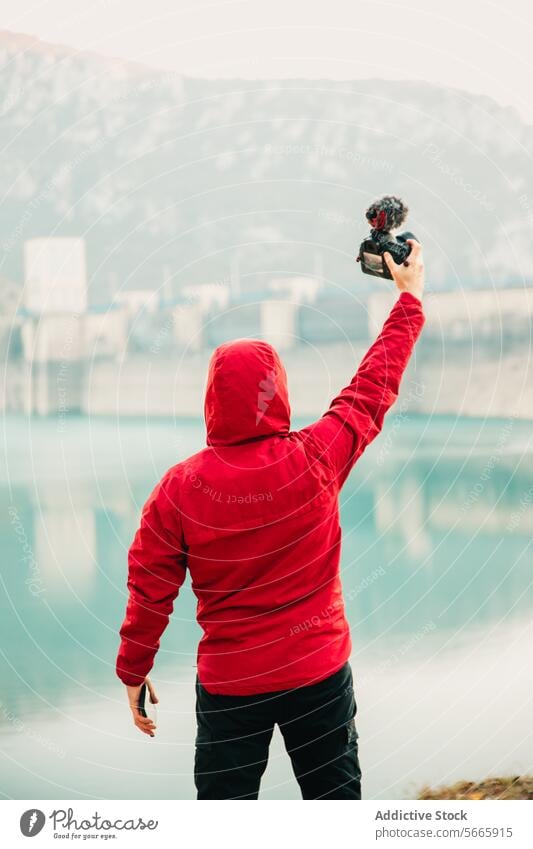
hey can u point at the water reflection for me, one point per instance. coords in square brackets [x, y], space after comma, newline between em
[436, 572]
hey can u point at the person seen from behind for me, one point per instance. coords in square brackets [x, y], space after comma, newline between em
[254, 519]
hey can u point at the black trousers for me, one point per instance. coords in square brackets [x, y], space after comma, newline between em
[318, 727]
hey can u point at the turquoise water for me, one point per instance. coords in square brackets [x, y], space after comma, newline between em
[437, 573]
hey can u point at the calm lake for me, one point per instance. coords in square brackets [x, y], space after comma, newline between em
[438, 576]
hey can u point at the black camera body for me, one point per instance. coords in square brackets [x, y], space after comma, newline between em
[384, 215]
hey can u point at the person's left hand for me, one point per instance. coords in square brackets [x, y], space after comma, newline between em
[143, 723]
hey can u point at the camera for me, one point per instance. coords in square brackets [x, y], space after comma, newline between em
[384, 215]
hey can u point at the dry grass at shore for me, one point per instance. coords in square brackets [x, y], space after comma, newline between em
[509, 787]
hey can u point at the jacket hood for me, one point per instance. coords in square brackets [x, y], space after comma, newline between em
[246, 395]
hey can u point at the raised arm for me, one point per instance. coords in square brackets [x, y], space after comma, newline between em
[156, 571]
[356, 415]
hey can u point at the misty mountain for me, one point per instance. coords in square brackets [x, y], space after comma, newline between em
[194, 180]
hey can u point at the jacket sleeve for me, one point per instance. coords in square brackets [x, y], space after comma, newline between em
[156, 571]
[355, 416]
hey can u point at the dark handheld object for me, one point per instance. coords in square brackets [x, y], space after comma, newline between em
[142, 701]
[384, 215]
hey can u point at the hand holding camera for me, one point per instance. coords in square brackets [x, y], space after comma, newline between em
[409, 277]
[384, 255]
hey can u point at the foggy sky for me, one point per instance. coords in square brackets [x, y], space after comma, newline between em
[476, 45]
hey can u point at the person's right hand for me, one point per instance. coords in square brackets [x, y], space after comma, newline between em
[143, 723]
[409, 278]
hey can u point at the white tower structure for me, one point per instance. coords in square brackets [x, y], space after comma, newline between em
[55, 276]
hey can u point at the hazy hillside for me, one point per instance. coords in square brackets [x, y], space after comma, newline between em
[162, 173]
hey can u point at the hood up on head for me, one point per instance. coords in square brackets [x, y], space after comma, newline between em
[246, 396]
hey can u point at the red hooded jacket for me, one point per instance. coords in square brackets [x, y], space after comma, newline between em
[254, 519]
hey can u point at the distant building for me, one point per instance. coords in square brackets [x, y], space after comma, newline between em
[55, 276]
[334, 317]
[66, 338]
[53, 337]
[188, 320]
[194, 311]
[135, 300]
[105, 332]
[301, 290]
[241, 319]
[278, 323]
[60, 334]
[208, 295]
[9, 322]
